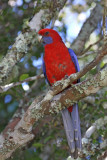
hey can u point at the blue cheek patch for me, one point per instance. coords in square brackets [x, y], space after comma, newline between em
[47, 40]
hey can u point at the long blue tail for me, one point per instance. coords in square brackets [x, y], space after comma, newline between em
[72, 128]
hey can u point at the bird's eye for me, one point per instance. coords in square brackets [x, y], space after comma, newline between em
[46, 33]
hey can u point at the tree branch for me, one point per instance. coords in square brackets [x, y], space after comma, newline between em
[99, 123]
[11, 85]
[91, 45]
[68, 98]
[43, 106]
[88, 27]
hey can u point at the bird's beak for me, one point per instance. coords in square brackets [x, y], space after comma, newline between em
[41, 40]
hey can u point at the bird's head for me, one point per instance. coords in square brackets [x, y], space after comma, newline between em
[49, 36]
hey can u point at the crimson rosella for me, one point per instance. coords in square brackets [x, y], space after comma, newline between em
[58, 62]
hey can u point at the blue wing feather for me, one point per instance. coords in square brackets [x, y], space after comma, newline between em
[44, 70]
[75, 60]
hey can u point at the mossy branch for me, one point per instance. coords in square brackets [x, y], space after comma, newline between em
[40, 107]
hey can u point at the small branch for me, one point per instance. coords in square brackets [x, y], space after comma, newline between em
[87, 54]
[99, 123]
[11, 85]
[91, 45]
[88, 27]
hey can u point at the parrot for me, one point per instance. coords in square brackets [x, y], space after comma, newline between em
[60, 62]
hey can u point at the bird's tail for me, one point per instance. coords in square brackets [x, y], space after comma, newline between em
[72, 128]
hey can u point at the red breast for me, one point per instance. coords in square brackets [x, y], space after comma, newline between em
[58, 62]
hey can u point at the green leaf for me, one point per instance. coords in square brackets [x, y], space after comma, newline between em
[102, 64]
[23, 76]
[38, 145]
[48, 138]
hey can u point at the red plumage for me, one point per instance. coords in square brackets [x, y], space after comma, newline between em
[57, 59]
[58, 62]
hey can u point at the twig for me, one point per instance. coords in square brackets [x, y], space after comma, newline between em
[91, 45]
[87, 54]
[87, 28]
[97, 125]
[11, 85]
